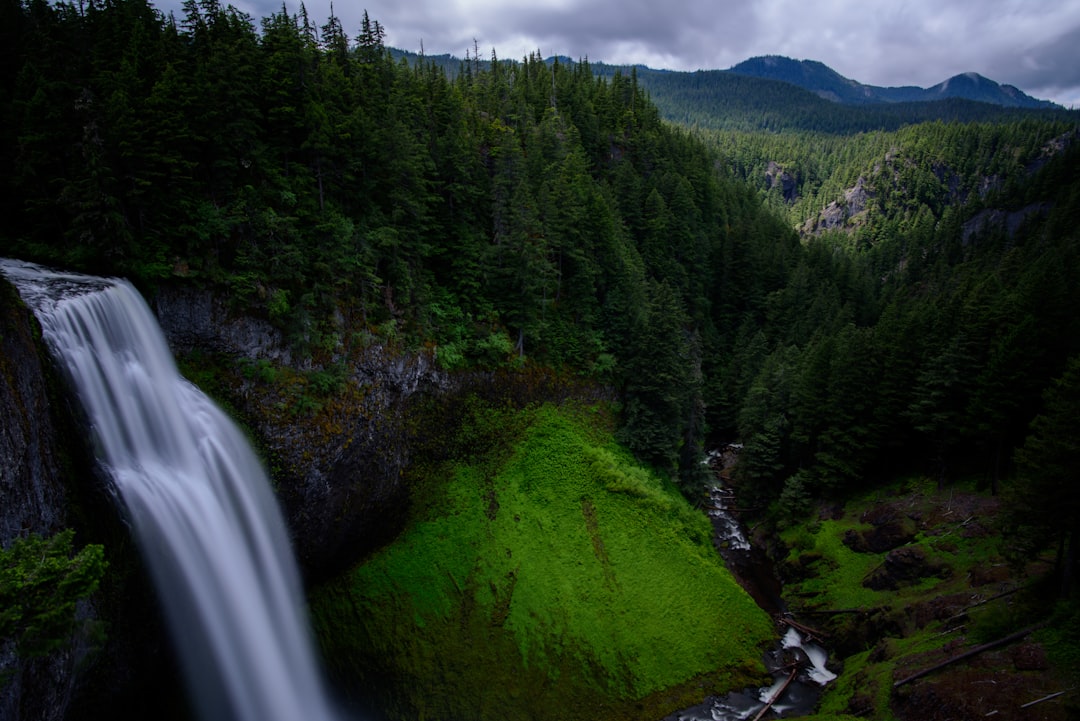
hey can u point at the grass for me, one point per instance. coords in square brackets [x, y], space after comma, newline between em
[908, 628]
[838, 570]
[555, 580]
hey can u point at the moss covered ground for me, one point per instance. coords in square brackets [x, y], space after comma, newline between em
[544, 575]
[964, 594]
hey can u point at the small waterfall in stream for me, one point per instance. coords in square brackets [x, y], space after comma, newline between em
[196, 496]
[797, 664]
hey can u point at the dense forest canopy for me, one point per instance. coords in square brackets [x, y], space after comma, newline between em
[522, 212]
[517, 212]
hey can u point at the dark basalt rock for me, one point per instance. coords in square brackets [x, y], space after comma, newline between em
[115, 663]
[34, 501]
[337, 469]
[30, 475]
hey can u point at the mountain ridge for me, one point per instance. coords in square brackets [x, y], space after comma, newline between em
[825, 82]
[810, 75]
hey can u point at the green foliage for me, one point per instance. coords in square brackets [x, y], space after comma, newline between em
[838, 571]
[882, 636]
[494, 214]
[1062, 637]
[560, 577]
[508, 214]
[41, 582]
[1044, 506]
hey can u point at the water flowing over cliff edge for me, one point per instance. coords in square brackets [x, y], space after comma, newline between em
[197, 499]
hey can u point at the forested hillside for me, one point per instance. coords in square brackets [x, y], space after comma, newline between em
[533, 212]
[829, 84]
[725, 100]
[523, 212]
[933, 294]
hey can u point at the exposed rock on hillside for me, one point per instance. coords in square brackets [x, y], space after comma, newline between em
[30, 477]
[337, 454]
[33, 486]
[777, 177]
[840, 214]
[997, 220]
[904, 566]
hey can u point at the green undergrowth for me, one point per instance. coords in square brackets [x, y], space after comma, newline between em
[551, 579]
[880, 636]
[832, 572]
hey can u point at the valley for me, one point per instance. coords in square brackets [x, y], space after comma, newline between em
[481, 321]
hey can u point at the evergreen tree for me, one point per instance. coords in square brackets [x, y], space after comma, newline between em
[1044, 503]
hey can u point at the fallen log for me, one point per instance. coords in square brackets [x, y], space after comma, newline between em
[973, 652]
[964, 611]
[837, 611]
[1044, 698]
[811, 632]
[775, 696]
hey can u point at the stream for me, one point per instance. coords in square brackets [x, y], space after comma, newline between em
[797, 664]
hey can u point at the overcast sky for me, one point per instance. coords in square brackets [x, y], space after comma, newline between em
[1032, 44]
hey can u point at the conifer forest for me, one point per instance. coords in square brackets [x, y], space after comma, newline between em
[847, 296]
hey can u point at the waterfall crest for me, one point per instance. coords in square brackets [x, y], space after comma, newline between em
[196, 496]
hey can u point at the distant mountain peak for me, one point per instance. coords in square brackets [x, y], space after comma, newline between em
[819, 78]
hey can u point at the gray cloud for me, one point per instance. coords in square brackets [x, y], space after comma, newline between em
[1033, 44]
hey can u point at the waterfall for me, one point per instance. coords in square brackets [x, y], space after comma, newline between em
[196, 496]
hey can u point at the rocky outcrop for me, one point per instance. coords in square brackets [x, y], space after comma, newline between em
[340, 464]
[34, 501]
[777, 177]
[902, 567]
[197, 319]
[30, 475]
[336, 456]
[843, 213]
[115, 663]
[991, 220]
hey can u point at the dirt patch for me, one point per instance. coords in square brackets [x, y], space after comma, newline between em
[904, 566]
[967, 694]
[942, 608]
[890, 534]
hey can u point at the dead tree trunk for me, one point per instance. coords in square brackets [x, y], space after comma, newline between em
[972, 652]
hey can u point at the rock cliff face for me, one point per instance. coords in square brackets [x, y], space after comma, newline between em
[337, 461]
[777, 177]
[34, 497]
[337, 465]
[30, 475]
[116, 663]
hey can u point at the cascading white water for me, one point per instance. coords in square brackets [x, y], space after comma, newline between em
[197, 497]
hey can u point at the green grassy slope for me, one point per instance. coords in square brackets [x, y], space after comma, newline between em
[555, 580]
